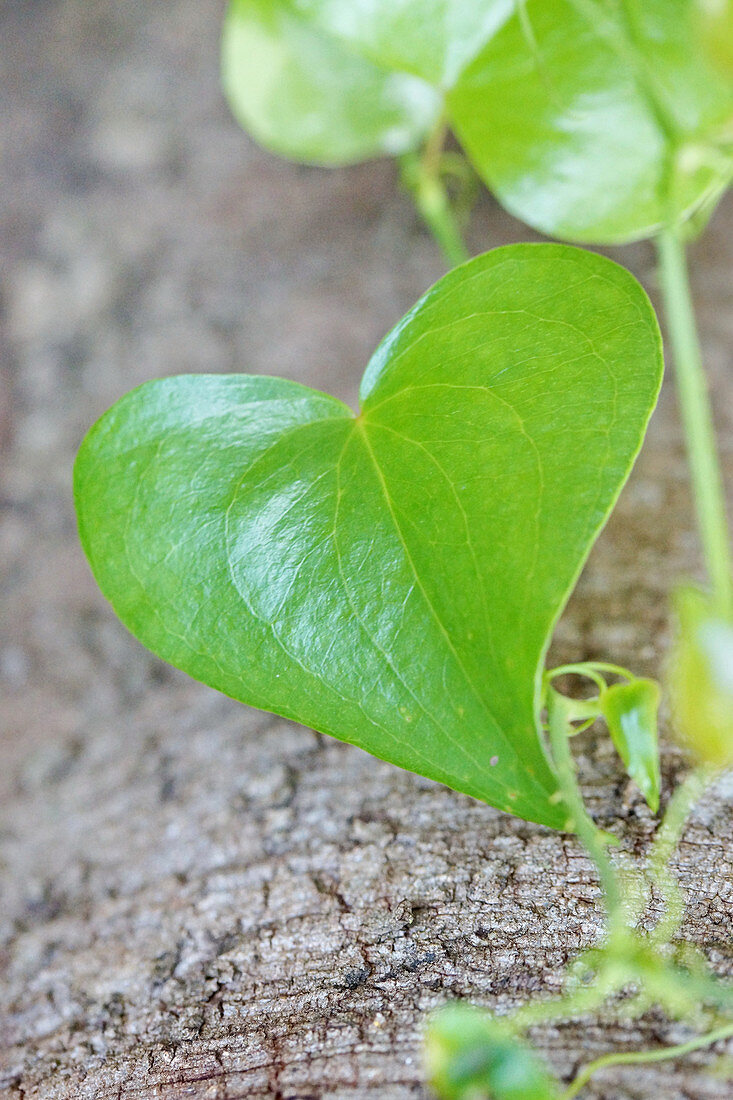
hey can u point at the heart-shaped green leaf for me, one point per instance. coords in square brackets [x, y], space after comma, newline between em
[393, 578]
[434, 39]
[301, 93]
[597, 121]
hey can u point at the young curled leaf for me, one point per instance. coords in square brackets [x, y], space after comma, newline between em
[630, 711]
[700, 676]
[471, 1055]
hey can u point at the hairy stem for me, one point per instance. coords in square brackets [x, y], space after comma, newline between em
[707, 482]
[634, 1058]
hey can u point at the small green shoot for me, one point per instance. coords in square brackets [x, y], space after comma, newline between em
[630, 711]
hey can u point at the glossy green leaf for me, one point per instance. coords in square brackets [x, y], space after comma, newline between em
[302, 94]
[471, 1055]
[700, 678]
[630, 711]
[434, 39]
[392, 579]
[597, 120]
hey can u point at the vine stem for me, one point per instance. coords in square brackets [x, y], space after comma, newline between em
[666, 841]
[707, 481]
[559, 711]
[640, 1057]
[422, 177]
[577, 1002]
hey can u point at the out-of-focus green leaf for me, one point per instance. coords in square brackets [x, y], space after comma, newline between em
[301, 93]
[434, 39]
[630, 711]
[700, 678]
[715, 28]
[597, 122]
[394, 578]
[470, 1055]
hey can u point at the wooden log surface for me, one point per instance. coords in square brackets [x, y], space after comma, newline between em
[197, 899]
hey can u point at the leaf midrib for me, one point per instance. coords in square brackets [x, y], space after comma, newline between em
[361, 425]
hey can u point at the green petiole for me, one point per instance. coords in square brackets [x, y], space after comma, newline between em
[707, 482]
[422, 176]
[559, 714]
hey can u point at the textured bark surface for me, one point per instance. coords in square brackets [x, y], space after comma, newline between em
[199, 900]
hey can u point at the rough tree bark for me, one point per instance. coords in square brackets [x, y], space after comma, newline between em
[199, 900]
